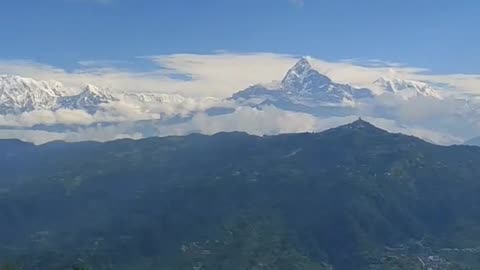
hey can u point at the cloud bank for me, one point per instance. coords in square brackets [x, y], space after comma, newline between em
[266, 121]
[221, 74]
[205, 79]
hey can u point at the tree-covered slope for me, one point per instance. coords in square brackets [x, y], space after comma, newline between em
[353, 197]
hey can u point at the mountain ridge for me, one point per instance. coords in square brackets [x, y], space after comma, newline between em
[330, 200]
[304, 85]
[19, 95]
[357, 125]
[407, 89]
[303, 89]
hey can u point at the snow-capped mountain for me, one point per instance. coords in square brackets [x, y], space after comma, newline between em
[152, 98]
[89, 99]
[406, 89]
[303, 89]
[169, 105]
[18, 94]
[305, 86]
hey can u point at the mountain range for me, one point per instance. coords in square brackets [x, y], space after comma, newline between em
[19, 95]
[406, 89]
[303, 89]
[305, 86]
[302, 85]
[352, 197]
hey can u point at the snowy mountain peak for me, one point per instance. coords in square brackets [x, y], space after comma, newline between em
[407, 89]
[303, 65]
[154, 98]
[18, 94]
[303, 76]
[16, 82]
[303, 86]
[94, 91]
[89, 99]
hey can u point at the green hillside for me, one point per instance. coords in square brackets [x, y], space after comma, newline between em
[353, 197]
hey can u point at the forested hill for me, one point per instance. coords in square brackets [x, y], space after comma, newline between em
[353, 197]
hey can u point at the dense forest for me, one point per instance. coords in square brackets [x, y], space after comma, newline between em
[353, 197]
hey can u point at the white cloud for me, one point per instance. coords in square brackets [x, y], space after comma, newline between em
[267, 121]
[415, 130]
[271, 121]
[221, 74]
[116, 113]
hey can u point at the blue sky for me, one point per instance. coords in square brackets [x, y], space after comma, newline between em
[440, 35]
